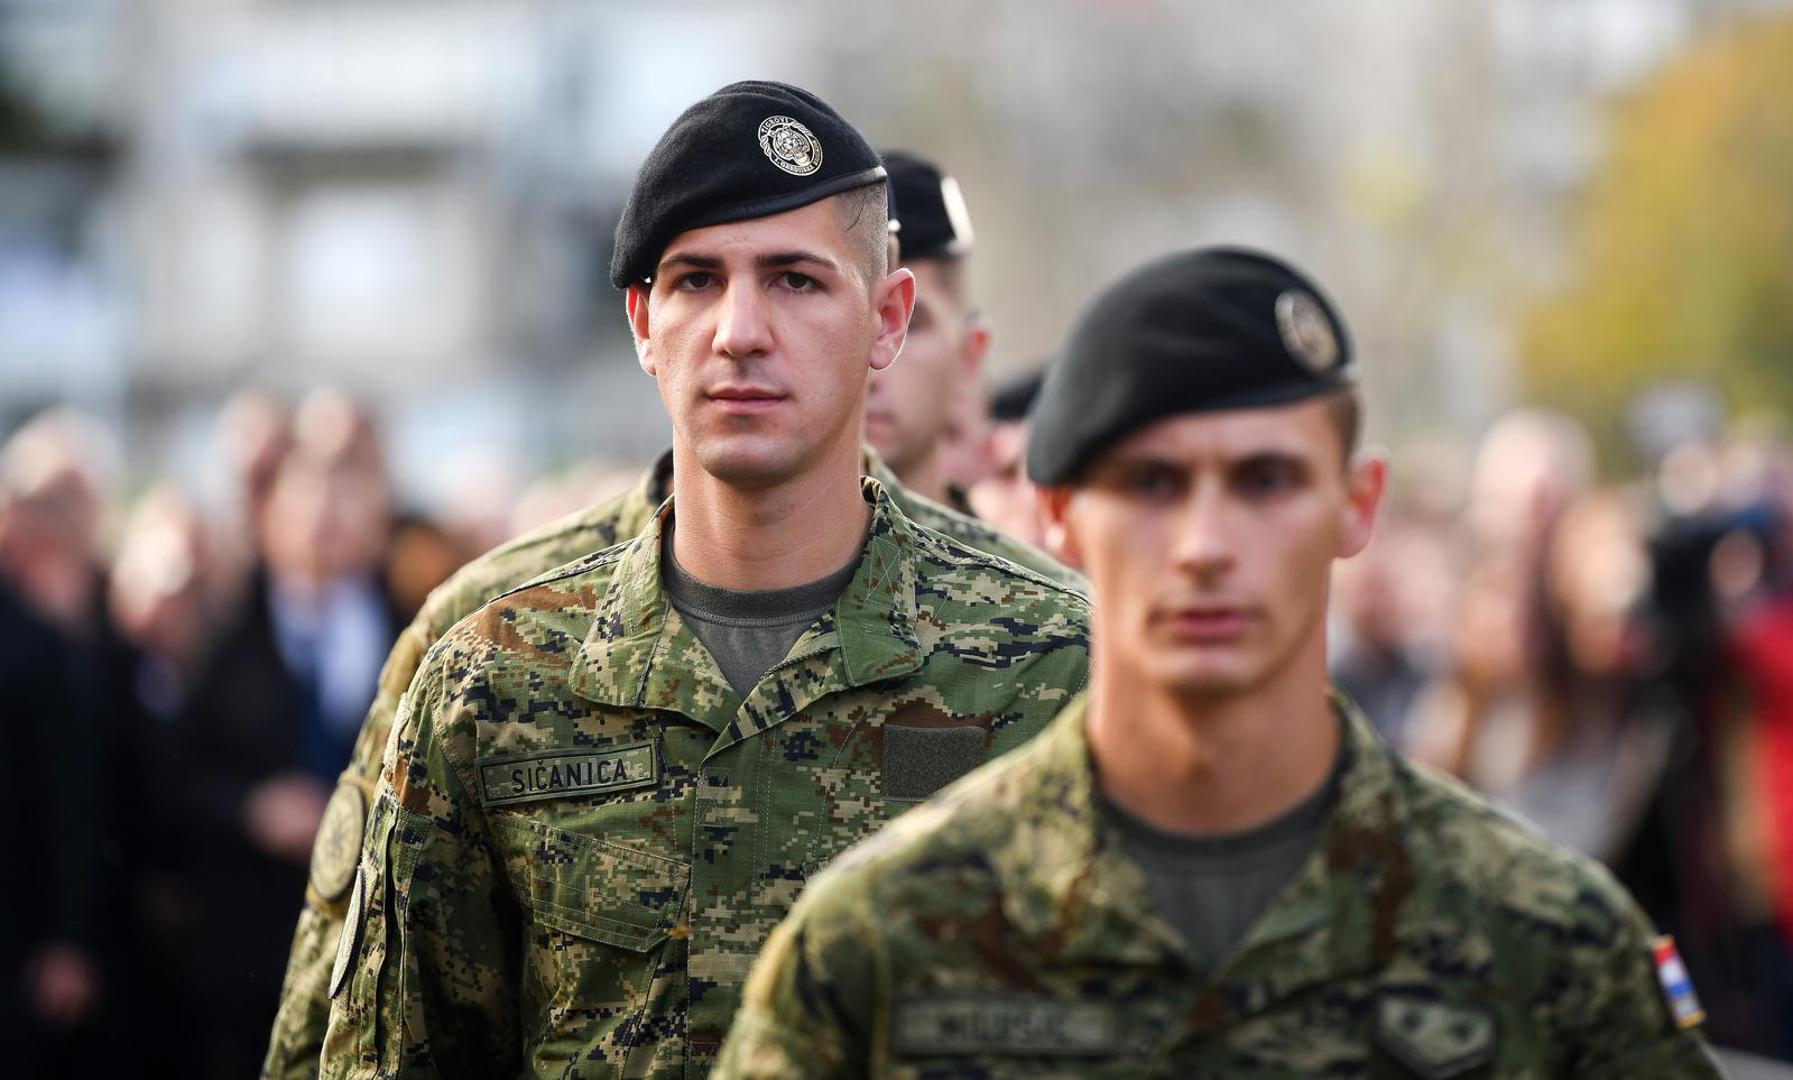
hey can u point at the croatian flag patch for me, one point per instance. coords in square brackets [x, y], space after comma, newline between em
[1677, 988]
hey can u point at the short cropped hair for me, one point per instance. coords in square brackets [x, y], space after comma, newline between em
[1345, 409]
[864, 214]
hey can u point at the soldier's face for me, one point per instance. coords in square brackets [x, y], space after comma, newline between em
[1208, 540]
[760, 334]
[911, 402]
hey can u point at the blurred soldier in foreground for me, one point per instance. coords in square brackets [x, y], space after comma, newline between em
[1209, 866]
[298, 1032]
[910, 404]
[605, 788]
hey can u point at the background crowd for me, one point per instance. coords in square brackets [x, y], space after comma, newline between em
[1612, 659]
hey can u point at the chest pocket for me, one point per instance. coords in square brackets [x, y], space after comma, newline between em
[599, 911]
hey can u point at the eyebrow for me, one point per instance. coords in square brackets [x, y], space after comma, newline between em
[770, 261]
[1153, 459]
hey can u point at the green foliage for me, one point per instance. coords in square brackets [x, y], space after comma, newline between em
[1683, 258]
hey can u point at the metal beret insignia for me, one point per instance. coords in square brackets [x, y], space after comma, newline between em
[1306, 331]
[790, 146]
[338, 846]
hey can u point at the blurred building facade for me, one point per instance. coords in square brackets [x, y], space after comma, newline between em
[414, 201]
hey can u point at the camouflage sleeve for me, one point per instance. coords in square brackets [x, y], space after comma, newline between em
[424, 978]
[298, 1033]
[1622, 1023]
[810, 1005]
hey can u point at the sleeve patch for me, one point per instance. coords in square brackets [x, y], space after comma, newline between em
[1677, 988]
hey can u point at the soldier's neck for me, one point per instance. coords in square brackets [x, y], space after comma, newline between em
[774, 537]
[1215, 764]
[922, 476]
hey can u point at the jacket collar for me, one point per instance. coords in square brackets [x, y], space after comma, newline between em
[640, 654]
[1071, 885]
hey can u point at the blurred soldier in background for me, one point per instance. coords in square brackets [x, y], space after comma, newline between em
[911, 403]
[1005, 497]
[1209, 867]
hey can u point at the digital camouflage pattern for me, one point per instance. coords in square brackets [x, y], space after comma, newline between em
[1000, 931]
[298, 1033]
[525, 912]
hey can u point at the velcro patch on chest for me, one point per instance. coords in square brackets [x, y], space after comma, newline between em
[1025, 1025]
[1435, 1039]
[560, 774]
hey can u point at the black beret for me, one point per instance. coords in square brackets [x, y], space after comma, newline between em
[935, 223]
[1011, 401]
[749, 150]
[1199, 331]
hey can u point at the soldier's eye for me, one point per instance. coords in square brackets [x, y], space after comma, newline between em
[1268, 477]
[696, 280]
[797, 282]
[1152, 481]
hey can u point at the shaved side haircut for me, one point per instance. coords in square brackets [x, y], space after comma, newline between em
[864, 214]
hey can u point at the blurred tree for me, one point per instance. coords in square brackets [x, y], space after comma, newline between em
[1682, 265]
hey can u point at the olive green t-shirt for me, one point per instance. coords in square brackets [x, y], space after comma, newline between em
[1211, 888]
[749, 632]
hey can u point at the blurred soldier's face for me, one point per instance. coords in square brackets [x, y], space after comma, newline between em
[1006, 497]
[1208, 539]
[761, 334]
[911, 402]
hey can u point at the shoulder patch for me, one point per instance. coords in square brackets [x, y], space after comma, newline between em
[1677, 988]
[346, 939]
[338, 845]
[1005, 1024]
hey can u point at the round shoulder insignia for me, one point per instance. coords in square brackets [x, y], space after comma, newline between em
[347, 938]
[790, 146]
[1306, 331]
[338, 847]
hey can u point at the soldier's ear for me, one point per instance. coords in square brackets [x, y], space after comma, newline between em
[893, 301]
[1365, 481]
[1059, 538]
[636, 306]
[976, 345]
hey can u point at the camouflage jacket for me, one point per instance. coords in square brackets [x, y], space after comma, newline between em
[1000, 931]
[298, 1033]
[582, 835]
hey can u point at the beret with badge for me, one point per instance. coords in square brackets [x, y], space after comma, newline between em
[751, 149]
[1198, 331]
[935, 223]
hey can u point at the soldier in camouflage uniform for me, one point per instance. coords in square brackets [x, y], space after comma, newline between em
[585, 826]
[1209, 865]
[298, 1033]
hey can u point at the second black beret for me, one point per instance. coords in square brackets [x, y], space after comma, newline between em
[749, 150]
[1202, 330]
[935, 222]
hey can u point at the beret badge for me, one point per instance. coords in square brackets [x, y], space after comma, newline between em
[790, 146]
[1306, 331]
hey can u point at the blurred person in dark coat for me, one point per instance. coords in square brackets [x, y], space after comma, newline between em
[49, 920]
[271, 722]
